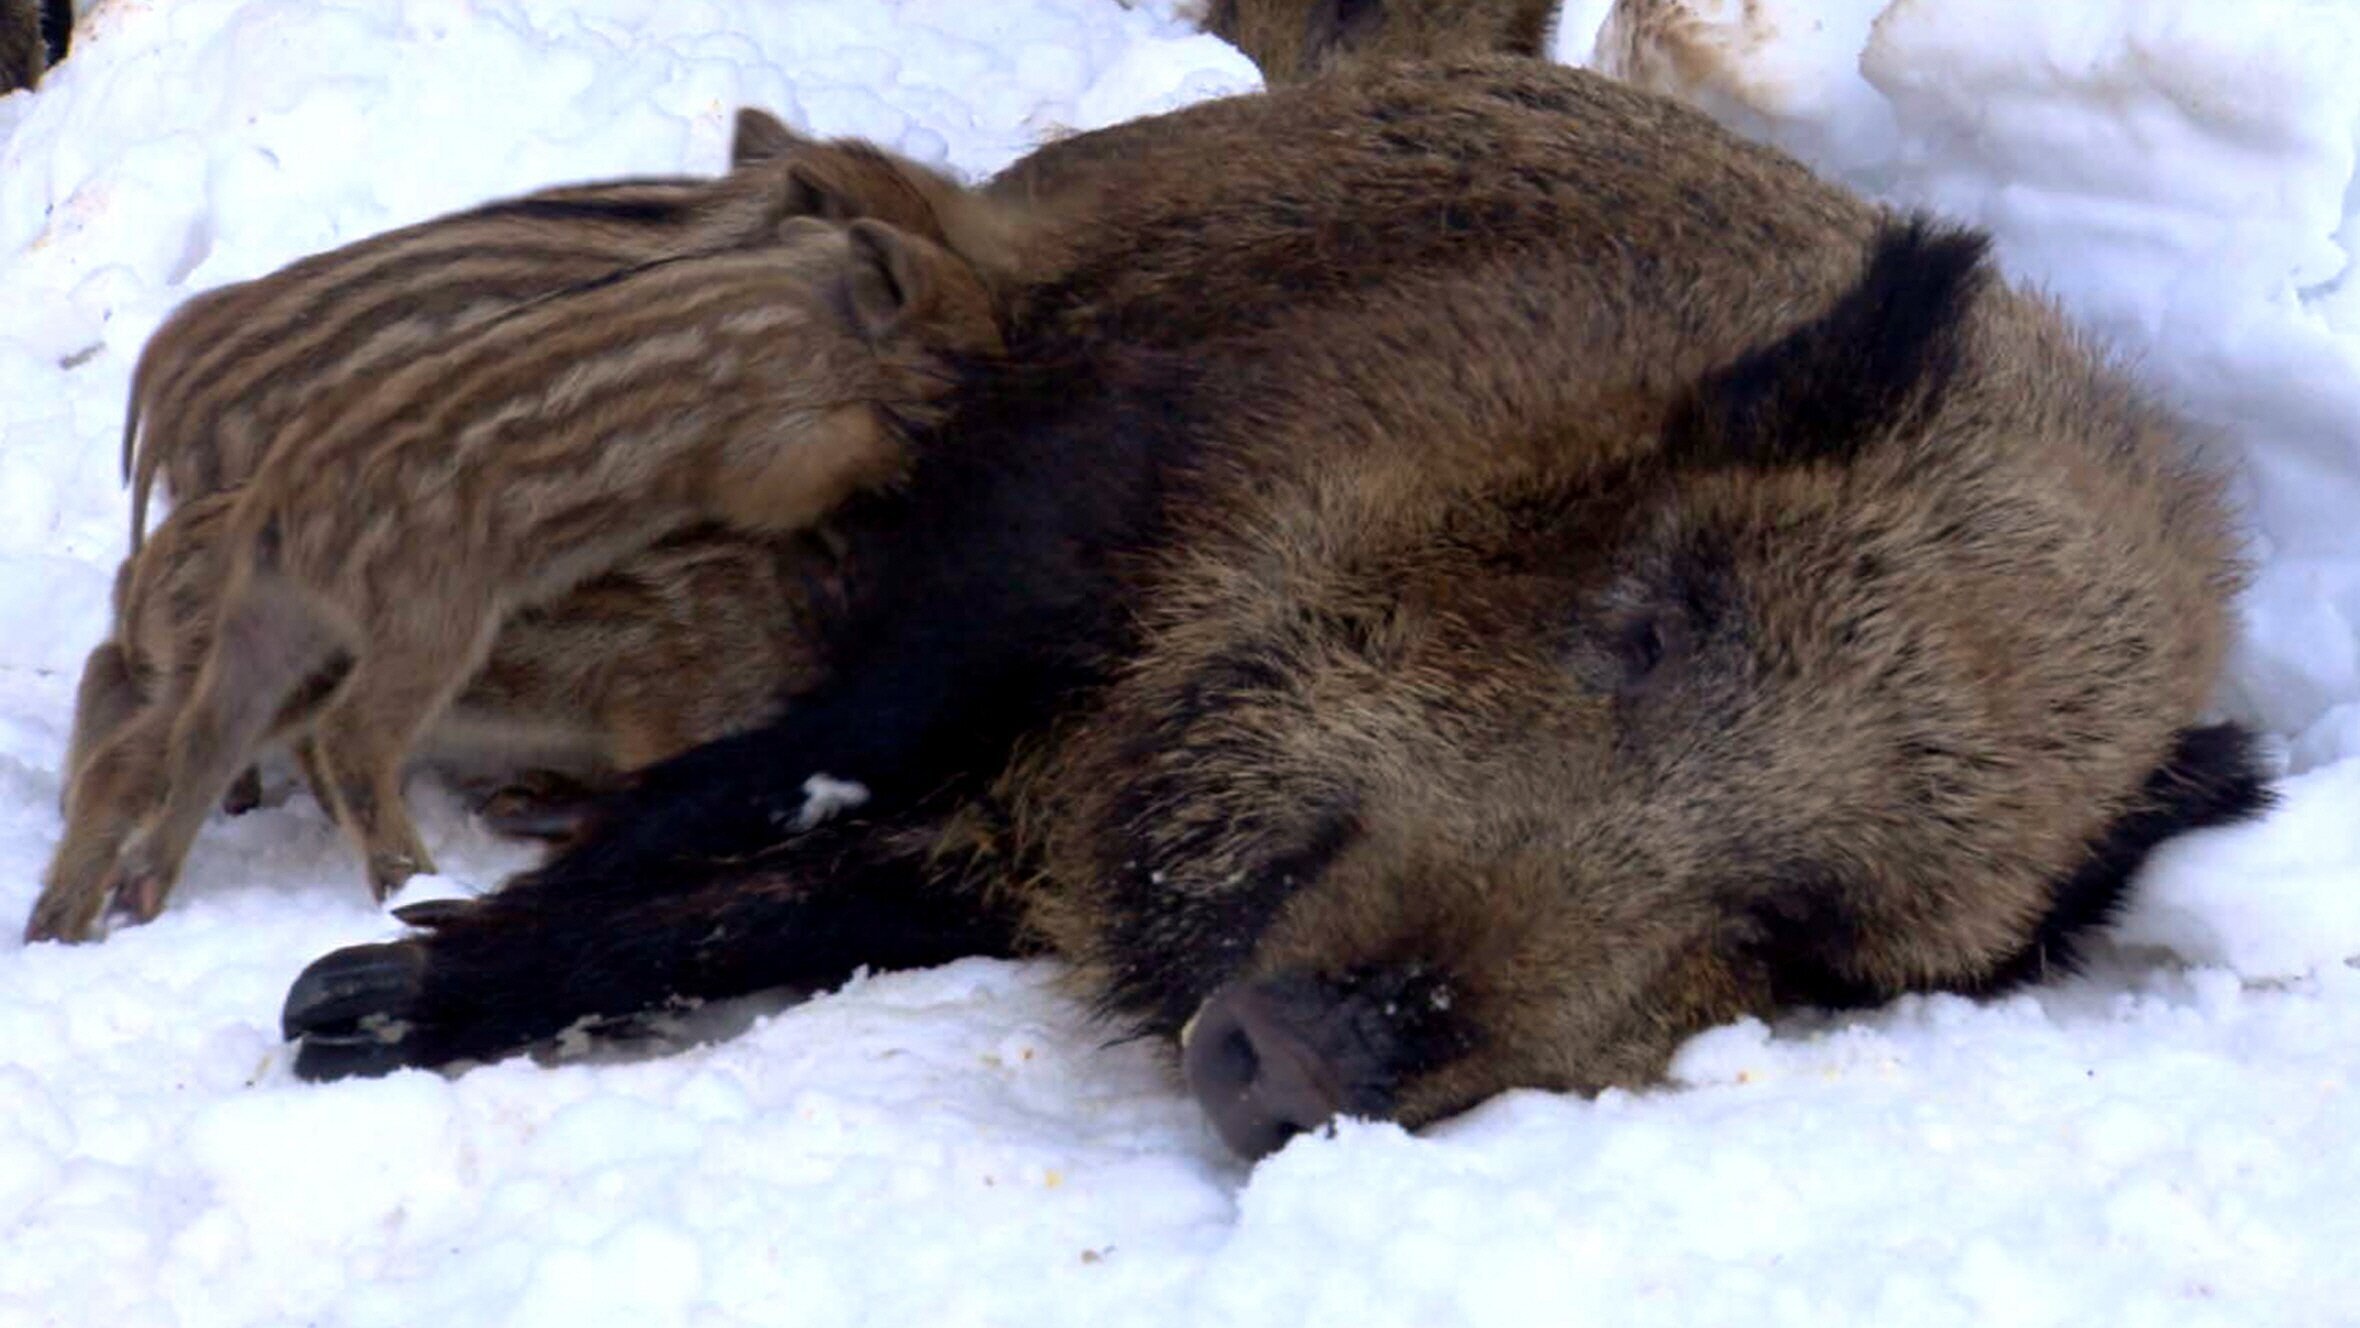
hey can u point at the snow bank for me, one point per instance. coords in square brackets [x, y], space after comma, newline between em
[2169, 1139]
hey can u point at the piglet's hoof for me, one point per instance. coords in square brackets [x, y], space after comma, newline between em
[554, 822]
[244, 793]
[550, 809]
[349, 1012]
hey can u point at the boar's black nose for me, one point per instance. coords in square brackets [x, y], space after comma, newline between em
[1257, 1069]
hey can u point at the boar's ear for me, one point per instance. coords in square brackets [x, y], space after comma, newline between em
[1873, 364]
[891, 273]
[761, 136]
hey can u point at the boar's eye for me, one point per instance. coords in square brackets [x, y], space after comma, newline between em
[1641, 648]
[1648, 645]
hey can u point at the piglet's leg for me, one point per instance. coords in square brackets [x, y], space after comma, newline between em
[105, 701]
[116, 786]
[269, 642]
[539, 804]
[315, 777]
[365, 733]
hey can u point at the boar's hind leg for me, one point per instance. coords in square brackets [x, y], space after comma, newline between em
[494, 976]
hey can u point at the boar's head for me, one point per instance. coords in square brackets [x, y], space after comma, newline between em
[1870, 673]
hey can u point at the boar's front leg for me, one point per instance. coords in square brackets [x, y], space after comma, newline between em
[493, 976]
[929, 702]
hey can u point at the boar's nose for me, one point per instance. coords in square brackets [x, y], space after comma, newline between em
[1254, 1060]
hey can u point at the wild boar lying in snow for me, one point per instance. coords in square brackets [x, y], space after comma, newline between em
[1468, 575]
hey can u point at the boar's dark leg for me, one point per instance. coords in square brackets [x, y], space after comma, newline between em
[495, 975]
[930, 698]
[987, 598]
[741, 794]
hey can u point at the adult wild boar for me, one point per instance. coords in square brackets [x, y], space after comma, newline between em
[1468, 575]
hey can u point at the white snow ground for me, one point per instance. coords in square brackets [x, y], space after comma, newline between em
[2174, 1138]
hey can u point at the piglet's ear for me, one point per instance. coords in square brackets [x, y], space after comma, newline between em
[812, 192]
[889, 275]
[761, 136]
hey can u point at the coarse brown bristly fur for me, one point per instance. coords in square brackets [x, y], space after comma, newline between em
[1292, 40]
[230, 367]
[402, 520]
[1471, 575]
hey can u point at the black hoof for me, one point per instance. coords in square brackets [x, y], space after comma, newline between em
[349, 1012]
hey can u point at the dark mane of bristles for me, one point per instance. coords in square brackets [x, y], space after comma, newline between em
[1879, 359]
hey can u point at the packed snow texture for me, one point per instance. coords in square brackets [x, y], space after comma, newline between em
[2171, 1138]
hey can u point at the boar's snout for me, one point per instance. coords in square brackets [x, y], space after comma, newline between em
[1254, 1061]
[1273, 1057]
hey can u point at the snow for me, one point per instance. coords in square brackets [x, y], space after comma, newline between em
[2172, 1138]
